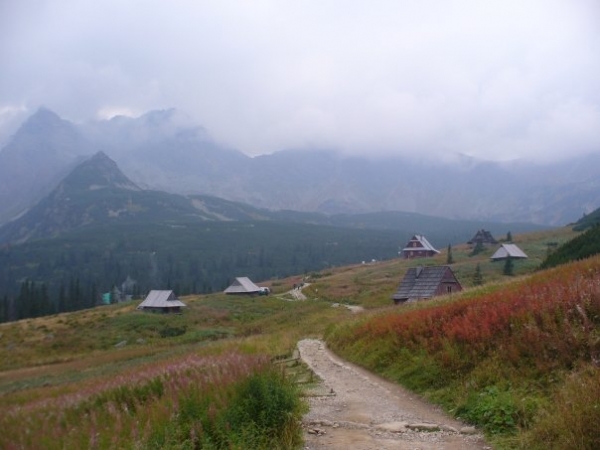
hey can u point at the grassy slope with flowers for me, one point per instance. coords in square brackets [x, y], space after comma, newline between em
[67, 381]
[115, 377]
[503, 357]
[186, 402]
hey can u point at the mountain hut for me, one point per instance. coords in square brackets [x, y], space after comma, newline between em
[161, 301]
[508, 251]
[418, 247]
[482, 237]
[421, 283]
[242, 286]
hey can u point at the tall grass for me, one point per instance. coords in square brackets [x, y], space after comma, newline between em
[495, 358]
[226, 401]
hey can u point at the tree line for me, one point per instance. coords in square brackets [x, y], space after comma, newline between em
[71, 273]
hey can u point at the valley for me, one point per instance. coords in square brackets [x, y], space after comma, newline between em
[61, 356]
[223, 374]
[97, 232]
[299, 225]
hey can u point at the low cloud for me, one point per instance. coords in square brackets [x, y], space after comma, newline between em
[497, 81]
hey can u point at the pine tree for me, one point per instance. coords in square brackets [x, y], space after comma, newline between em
[449, 258]
[509, 237]
[509, 267]
[62, 299]
[477, 276]
[477, 249]
[4, 309]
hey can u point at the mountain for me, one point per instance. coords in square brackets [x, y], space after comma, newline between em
[97, 193]
[97, 229]
[43, 150]
[164, 150]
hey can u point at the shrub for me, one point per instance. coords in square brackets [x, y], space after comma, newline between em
[229, 401]
[572, 418]
[467, 351]
[492, 409]
[265, 407]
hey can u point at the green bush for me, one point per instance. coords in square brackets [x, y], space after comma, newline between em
[492, 409]
[261, 412]
[264, 409]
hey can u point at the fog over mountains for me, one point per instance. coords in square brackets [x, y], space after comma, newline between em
[162, 151]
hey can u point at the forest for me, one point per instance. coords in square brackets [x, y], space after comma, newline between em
[73, 271]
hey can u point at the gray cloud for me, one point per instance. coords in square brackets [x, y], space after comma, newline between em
[496, 80]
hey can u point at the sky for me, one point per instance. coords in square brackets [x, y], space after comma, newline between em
[496, 80]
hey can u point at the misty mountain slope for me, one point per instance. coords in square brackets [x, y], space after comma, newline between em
[163, 150]
[97, 193]
[326, 182]
[100, 228]
[40, 153]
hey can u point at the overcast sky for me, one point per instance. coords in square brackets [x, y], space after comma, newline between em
[493, 79]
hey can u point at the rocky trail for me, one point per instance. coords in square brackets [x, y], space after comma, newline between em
[352, 408]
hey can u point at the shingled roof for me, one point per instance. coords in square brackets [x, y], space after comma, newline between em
[483, 237]
[426, 282]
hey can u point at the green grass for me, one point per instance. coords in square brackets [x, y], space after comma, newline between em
[496, 356]
[57, 357]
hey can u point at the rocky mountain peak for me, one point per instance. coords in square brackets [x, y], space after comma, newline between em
[98, 172]
[43, 121]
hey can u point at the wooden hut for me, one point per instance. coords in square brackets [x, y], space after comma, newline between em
[425, 282]
[508, 251]
[242, 286]
[161, 301]
[418, 247]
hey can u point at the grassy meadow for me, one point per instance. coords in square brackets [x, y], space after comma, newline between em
[501, 355]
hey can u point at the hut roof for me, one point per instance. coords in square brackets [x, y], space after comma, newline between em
[423, 282]
[242, 285]
[161, 299]
[484, 237]
[508, 250]
[425, 244]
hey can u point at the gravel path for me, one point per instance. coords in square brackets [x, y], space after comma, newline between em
[353, 409]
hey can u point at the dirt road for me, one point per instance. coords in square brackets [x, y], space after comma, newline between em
[353, 409]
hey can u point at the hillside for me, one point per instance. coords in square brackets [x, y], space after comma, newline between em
[588, 221]
[97, 230]
[43, 359]
[583, 246]
[520, 360]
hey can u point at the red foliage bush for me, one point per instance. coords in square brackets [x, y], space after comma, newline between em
[549, 320]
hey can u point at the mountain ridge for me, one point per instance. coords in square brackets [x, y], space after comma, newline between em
[164, 150]
[96, 192]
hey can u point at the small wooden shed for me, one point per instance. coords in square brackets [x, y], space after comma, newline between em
[508, 251]
[482, 237]
[421, 283]
[242, 286]
[161, 301]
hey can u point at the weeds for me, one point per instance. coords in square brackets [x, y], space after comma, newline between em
[227, 401]
[476, 351]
